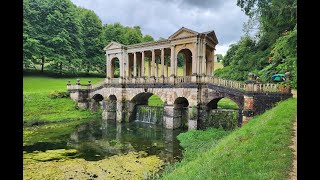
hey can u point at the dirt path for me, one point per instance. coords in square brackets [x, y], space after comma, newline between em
[293, 173]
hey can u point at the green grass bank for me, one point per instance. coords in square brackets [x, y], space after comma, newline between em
[258, 150]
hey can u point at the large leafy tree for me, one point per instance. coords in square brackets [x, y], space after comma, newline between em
[67, 38]
[91, 28]
[275, 40]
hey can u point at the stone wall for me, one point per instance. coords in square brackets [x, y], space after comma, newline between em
[227, 119]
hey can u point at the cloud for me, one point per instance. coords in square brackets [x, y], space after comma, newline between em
[161, 18]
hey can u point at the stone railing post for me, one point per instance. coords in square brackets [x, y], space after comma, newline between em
[89, 84]
[78, 85]
[68, 84]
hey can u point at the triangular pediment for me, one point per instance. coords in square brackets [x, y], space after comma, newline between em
[212, 36]
[113, 45]
[183, 32]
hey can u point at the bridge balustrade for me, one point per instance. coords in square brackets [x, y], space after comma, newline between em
[251, 87]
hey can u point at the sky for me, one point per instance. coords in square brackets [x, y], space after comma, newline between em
[162, 18]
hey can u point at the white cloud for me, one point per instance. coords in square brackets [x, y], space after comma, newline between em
[222, 49]
[161, 18]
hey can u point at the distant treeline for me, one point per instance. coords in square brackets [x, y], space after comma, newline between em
[60, 37]
[273, 49]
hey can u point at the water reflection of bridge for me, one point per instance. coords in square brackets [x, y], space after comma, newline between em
[101, 138]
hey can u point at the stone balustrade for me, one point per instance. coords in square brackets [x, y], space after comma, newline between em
[249, 87]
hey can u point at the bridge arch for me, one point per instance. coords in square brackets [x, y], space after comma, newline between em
[97, 97]
[96, 102]
[112, 97]
[181, 102]
[213, 104]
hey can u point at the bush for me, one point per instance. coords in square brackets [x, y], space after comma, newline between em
[59, 94]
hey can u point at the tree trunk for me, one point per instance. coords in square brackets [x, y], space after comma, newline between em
[61, 68]
[42, 64]
[88, 70]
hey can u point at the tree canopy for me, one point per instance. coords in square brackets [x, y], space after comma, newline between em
[272, 50]
[62, 37]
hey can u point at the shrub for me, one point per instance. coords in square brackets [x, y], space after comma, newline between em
[58, 94]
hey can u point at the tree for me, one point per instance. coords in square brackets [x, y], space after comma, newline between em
[272, 50]
[219, 57]
[147, 38]
[91, 29]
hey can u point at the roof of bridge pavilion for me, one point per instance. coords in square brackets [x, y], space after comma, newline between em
[181, 33]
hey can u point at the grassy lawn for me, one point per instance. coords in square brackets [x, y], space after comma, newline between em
[154, 100]
[226, 103]
[258, 150]
[37, 106]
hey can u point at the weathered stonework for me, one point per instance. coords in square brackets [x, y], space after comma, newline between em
[200, 89]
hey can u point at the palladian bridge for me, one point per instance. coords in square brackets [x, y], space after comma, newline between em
[197, 91]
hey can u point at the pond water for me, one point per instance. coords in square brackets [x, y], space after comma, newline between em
[99, 139]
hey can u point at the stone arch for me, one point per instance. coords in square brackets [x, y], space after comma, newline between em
[96, 102]
[239, 100]
[160, 93]
[138, 99]
[97, 97]
[180, 111]
[115, 63]
[181, 102]
[216, 96]
[112, 97]
[187, 61]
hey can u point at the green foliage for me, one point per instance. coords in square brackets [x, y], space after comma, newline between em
[273, 50]
[64, 38]
[59, 94]
[258, 150]
[155, 100]
[219, 57]
[147, 38]
[39, 107]
[194, 143]
[226, 103]
[284, 57]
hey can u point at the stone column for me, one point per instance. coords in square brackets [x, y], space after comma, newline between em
[248, 110]
[212, 65]
[162, 63]
[156, 68]
[199, 52]
[176, 64]
[195, 62]
[135, 65]
[203, 69]
[149, 68]
[108, 64]
[195, 59]
[172, 60]
[185, 66]
[142, 64]
[152, 63]
[167, 67]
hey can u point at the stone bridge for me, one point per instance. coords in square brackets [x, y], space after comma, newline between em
[119, 100]
[196, 90]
